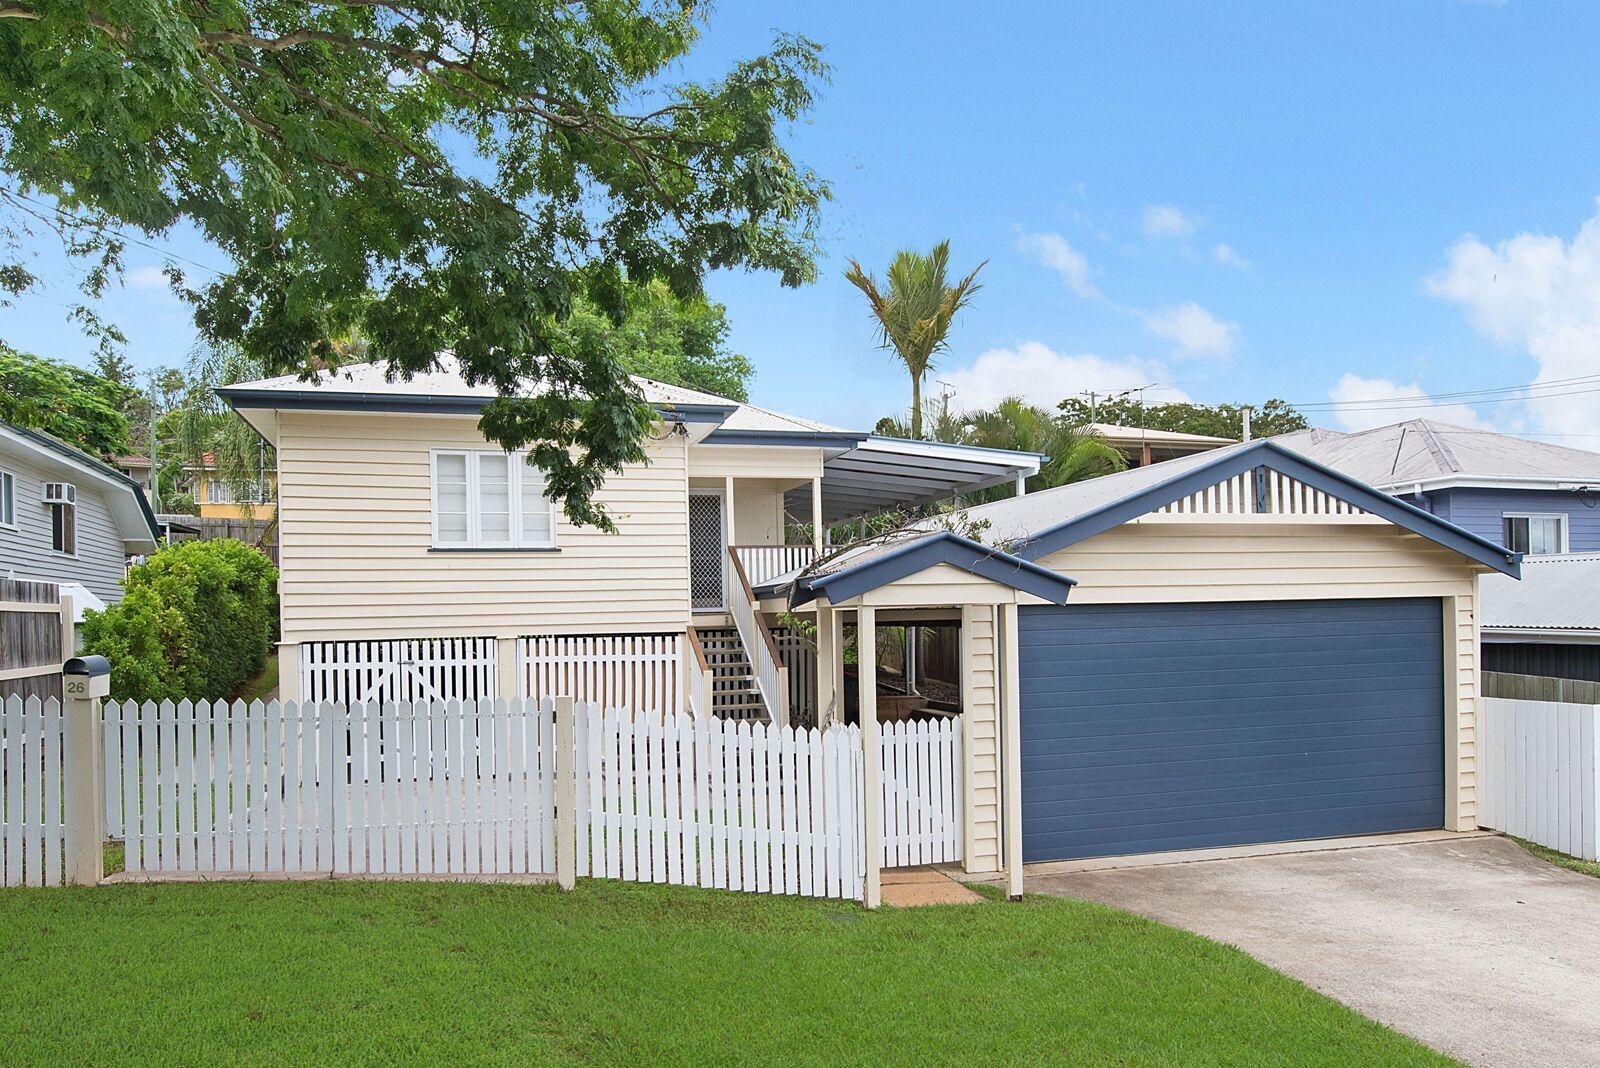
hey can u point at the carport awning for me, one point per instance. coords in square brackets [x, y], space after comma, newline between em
[882, 474]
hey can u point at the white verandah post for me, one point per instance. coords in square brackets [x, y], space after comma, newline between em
[1011, 749]
[867, 668]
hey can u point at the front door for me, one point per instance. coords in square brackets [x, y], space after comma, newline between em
[708, 552]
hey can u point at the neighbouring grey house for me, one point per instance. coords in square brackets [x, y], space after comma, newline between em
[1535, 498]
[67, 518]
[1532, 497]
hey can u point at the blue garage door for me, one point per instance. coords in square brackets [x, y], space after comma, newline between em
[1156, 727]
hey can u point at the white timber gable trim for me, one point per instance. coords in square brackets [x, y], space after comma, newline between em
[1260, 492]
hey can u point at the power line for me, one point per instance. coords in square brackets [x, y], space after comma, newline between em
[102, 228]
[1512, 392]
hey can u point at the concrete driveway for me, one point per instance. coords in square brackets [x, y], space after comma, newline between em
[1469, 945]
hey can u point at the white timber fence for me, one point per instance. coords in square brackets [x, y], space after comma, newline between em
[365, 789]
[637, 671]
[32, 835]
[1539, 776]
[720, 804]
[465, 789]
[921, 779]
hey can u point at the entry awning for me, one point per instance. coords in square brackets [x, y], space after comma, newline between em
[880, 474]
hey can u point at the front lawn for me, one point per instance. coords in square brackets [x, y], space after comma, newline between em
[1561, 860]
[616, 973]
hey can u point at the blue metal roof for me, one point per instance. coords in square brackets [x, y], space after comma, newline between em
[1226, 463]
[919, 554]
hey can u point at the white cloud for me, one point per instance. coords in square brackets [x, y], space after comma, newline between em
[1044, 377]
[1195, 331]
[1054, 251]
[1364, 403]
[1541, 295]
[1167, 221]
[1224, 254]
[147, 278]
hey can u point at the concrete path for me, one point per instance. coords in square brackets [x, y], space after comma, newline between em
[1471, 946]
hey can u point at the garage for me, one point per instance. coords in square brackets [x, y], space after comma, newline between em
[1154, 727]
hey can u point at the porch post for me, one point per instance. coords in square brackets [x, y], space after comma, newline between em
[867, 672]
[1011, 728]
[827, 655]
[816, 515]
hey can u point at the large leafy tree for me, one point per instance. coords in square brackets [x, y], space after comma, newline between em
[80, 408]
[914, 310]
[1215, 420]
[669, 338]
[427, 174]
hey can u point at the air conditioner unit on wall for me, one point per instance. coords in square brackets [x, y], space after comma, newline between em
[60, 493]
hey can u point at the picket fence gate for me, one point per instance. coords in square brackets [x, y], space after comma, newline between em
[732, 805]
[460, 788]
[32, 832]
[921, 776]
[1539, 773]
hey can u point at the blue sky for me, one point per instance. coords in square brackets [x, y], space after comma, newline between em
[1368, 203]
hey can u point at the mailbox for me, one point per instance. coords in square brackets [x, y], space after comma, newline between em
[86, 677]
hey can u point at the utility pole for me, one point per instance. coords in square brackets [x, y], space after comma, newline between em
[155, 476]
[1094, 407]
[1245, 411]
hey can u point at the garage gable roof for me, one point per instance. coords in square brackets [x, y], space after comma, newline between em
[1042, 523]
[866, 569]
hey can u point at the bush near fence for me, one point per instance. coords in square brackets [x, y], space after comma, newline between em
[199, 619]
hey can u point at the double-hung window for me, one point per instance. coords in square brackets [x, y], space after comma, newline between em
[8, 500]
[486, 499]
[1536, 534]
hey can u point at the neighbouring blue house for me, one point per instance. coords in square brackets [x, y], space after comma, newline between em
[1538, 499]
[1530, 496]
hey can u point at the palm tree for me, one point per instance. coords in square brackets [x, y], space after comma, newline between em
[914, 313]
[1075, 453]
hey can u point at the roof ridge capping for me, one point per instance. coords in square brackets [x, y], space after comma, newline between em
[1225, 463]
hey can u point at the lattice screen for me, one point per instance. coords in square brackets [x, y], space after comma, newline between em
[706, 554]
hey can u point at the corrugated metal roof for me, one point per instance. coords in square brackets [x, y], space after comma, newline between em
[1422, 450]
[445, 381]
[1134, 435]
[1556, 593]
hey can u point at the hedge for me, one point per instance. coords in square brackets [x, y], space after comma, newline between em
[198, 620]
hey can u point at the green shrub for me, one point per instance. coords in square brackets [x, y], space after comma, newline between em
[199, 620]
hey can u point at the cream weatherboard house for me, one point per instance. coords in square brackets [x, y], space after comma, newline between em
[1230, 647]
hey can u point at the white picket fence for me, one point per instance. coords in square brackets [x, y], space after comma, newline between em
[390, 789]
[472, 788]
[31, 828]
[921, 777]
[639, 671]
[725, 805]
[1539, 773]
[401, 669]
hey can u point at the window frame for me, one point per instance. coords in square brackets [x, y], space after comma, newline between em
[517, 470]
[8, 500]
[1563, 526]
[59, 514]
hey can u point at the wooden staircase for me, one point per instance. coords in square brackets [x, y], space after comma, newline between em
[733, 680]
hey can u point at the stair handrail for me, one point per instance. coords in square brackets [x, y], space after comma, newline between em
[772, 678]
[699, 676]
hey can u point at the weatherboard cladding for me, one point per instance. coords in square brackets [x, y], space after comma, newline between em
[1483, 511]
[101, 559]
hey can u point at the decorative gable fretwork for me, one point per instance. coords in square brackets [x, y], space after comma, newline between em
[1261, 491]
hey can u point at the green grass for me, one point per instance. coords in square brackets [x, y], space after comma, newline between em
[1571, 863]
[258, 688]
[618, 973]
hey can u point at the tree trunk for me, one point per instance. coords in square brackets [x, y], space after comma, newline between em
[916, 406]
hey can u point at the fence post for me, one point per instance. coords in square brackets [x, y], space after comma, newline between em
[566, 794]
[84, 681]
